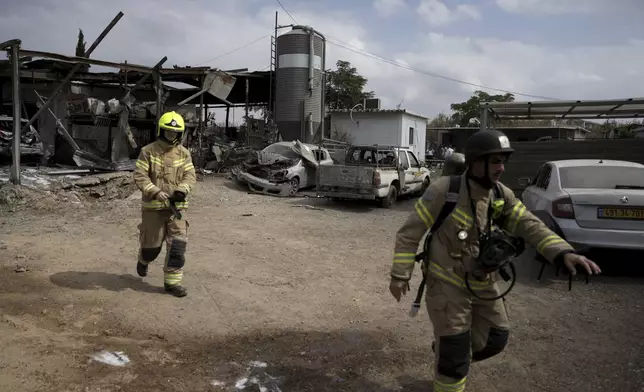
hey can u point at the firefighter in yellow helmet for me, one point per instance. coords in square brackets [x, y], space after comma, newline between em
[165, 175]
[463, 297]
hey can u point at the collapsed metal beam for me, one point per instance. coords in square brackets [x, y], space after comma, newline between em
[611, 110]
[39, 76]
[8, 44]
[146, 76]
[570, 111]
[15, 102]
[84, 60]
[124, 119]
[104, 33]
[61, 127]
[69, 76]
[159, 88]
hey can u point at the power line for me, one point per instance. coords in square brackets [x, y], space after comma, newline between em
[285, 10]
[433, 74]
[235, 50]
[363, 52]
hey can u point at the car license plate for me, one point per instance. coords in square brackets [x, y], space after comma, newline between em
[620, 213]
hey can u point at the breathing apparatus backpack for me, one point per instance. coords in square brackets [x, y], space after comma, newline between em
[497, 249]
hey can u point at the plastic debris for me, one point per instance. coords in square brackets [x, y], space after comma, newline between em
[113, 358]
[217, 383]
[256, 376]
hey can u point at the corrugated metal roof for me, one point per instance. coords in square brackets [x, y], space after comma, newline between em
[612, 108]
[524, 128]
[389, 111]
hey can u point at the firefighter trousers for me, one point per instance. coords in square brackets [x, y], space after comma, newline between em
[162, 226]
[466, 330]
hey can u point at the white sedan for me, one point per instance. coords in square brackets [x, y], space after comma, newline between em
[590, 203]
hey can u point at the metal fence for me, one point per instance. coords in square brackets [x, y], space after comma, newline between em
[529, 156]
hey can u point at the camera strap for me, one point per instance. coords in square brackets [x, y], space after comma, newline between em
[451, 199]
[492, 207]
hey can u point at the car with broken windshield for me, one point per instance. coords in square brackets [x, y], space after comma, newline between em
[282, 168]
[374, 172]
[593, 204]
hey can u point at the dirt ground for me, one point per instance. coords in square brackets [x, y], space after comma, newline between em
[282, 297]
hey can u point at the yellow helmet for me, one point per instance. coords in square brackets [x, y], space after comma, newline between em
[171, 121]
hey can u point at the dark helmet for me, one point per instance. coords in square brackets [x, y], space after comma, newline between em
[487, 142]
[454, 165]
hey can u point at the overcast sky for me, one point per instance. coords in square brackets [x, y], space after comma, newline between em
[564, 49]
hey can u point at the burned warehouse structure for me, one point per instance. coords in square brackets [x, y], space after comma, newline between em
[67, 115]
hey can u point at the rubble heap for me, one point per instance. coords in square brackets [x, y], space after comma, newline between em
[46, 190]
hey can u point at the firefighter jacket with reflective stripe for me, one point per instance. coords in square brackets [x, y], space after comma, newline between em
[450, 257]
[162, 167]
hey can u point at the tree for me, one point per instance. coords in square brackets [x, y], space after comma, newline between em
[441, 120]
[80, 49]
[465, 111]
[345, 87]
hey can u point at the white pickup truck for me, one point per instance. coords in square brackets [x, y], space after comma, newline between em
[374, 172]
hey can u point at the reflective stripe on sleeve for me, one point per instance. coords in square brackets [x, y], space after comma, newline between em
[549, 241]
[404, 258]
[143, 165]
[423, 213]
[515, 216]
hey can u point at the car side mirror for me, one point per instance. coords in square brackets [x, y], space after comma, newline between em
[524, 181]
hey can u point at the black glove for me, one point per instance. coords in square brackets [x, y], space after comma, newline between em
[178, 197]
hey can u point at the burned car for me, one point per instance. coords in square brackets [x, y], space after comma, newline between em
[283, 168]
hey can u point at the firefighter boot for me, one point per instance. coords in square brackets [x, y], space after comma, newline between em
[141, 269]
[176, 290]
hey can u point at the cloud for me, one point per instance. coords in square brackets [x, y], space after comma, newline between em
[557, 7]
[436, 13]
[578, 73]
[193, 32]
[388, 7]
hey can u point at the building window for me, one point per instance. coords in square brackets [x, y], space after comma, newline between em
[411, 136]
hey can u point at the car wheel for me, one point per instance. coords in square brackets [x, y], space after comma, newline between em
[293, 186]
[390, 199]
[424, 187]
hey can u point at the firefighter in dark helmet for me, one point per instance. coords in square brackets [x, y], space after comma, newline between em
[454, 165]
[466, 328]
[165, 174]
